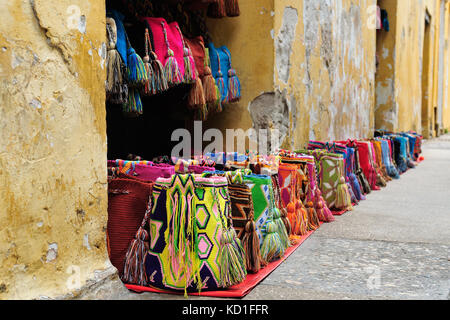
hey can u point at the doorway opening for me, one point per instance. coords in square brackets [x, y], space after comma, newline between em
[427, 121]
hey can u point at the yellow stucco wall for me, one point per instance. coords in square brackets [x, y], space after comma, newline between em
[311, 61]
[399, 79]
[53, 197]
[331, 77]
[446, 106]
[248, 37]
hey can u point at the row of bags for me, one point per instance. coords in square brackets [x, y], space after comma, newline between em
[170, 60]
[189, 226]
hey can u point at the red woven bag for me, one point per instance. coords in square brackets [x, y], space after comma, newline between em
[127, 202]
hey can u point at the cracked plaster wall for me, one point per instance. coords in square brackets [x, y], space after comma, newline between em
[53, 188]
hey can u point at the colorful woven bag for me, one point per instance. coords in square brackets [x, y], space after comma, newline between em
[271, 230]
[168, 45]
[331, 179]
[192, 244]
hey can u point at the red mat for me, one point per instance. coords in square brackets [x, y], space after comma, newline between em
[237, 291]
[338, 213]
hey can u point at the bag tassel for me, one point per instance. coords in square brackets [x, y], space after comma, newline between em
[356, 187]
[171, 70]
[272, 248]
[284, 217]
[134, 270]
[294, 219]
[137, 75]
[232, 8]
[209, 86]
[232, 259]
[149, 87]
[343, 200]
[364, 182]
[380, 181]
[221, 86]
[392, 171]
[196, 97]
[284, 236]
[322, 207]
[353, 199]
[190, 71]
[217, 9]
[155, 72]
[113, 61]
[159, 80]
[313, 220]
[253, 260]
[218, 103]
[133, 107]
[303, 214]
[234, 87]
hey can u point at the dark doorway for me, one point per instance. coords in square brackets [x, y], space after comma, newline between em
[427, 121]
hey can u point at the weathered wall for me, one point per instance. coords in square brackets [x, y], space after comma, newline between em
[408, 64]
[306, 67]
[386, 107]
[332, 70]
[53, 198]
[401, 98]
[446, 106]
[249, 38]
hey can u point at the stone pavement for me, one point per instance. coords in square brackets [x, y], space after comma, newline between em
[394, 245]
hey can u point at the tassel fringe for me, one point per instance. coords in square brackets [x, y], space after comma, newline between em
[136, 69]
[234, 87]
[253, 259]
[343, 199]
[272, 248]
[231, 259]
[172, 71]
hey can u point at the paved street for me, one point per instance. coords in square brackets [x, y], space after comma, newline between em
[394, 245]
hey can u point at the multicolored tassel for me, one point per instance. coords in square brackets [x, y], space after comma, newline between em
[190, 71]
[313, 220]
[137, 75]
[234, 87]
[356, 187]
[133, 107]
[159, 79]
[221, 85]
[284, 236]
[322, 208]
[343, 200]
[272, 248]
[156, 82]
[134, 271]
[231, 259]
[171, 70]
